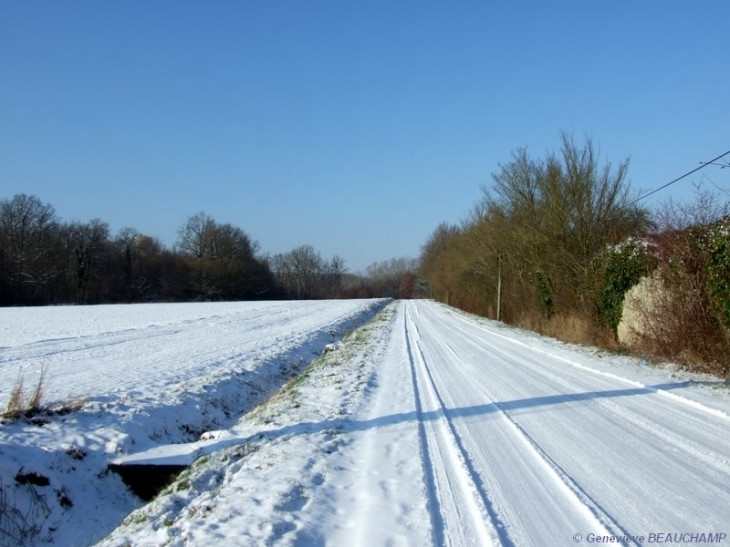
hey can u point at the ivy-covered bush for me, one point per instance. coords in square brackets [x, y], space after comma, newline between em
[544, 293]
[620, 268]
[718, 268]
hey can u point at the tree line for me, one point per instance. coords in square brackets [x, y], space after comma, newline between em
[534, 235]
[555, 244]
[44, 260]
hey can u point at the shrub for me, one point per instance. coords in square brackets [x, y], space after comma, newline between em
[544, 293]
[718, 268]
[684, 324]
[619, 269]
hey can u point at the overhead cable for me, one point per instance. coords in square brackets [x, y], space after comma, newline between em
[702, 166]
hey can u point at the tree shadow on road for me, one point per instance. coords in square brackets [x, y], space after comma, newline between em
[345, 424]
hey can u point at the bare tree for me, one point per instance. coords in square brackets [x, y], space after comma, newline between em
[26, 232]
[136, 265]
[306, 265]
[387, 276]
[334, 269]
[303, 273]
[283, 272]
[224, 259]
[195, 237]
[229, 242]
[557, 215]
[87, 244]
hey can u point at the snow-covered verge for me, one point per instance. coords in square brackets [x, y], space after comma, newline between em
[148, 376]
[279, 458]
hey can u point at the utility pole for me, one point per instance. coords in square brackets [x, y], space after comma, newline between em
[499, 287]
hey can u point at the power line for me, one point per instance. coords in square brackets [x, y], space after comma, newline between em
[702, 166]
[722, 165]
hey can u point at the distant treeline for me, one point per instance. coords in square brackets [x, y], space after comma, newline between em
[555, 244]
[44, 260]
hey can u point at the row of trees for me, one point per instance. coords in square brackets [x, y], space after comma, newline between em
[554, 245]
[529, 245]
[303, 273]
[223, 262]
[44, 260]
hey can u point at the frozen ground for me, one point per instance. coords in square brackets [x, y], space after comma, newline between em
[149, 375]
[425, 427]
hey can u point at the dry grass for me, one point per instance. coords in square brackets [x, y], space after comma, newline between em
[34, 404]
[15, 403]
[672, 319]
[569, 327]
[20, 406]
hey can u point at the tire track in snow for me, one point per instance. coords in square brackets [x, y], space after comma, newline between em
[459, 505]
[667, 449]
[650, 428]
[434, 508]
[554, 355]
[582, 503]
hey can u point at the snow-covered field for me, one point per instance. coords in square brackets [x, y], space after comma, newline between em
[424, 427]
[149, 375]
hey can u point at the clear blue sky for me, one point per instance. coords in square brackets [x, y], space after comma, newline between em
[355, 127]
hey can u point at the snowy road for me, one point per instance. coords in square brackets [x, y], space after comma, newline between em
[509, 444]
[425, 426]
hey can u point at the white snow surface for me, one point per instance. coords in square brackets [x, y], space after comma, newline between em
[149, 375]
[425, 426]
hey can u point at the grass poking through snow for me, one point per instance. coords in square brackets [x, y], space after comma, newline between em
[21, 406]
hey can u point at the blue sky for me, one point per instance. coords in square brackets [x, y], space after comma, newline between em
[356, 127]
